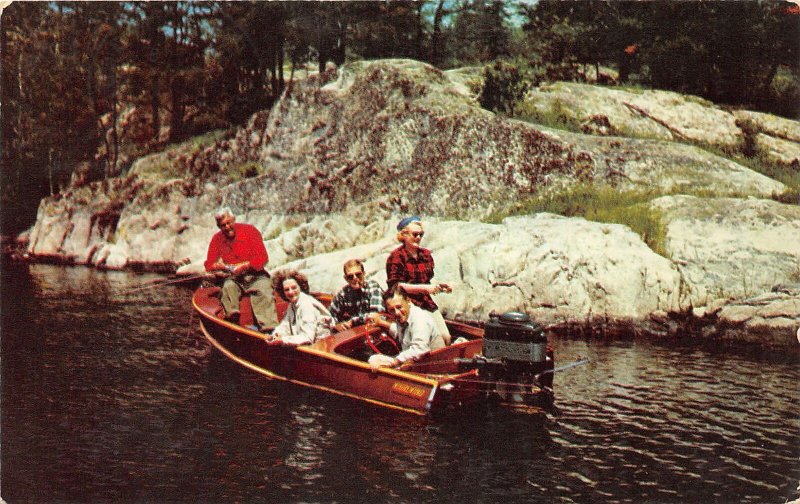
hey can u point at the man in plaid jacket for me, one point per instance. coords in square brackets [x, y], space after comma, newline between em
[360, 297]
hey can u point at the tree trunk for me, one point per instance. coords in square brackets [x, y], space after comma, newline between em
[176, 110]
[154, 105]
[341, 43]
[281, 59]
[322, 48]
[114, 136]
[420, 33]
[50, 170]
[437, 33]
[273, 71]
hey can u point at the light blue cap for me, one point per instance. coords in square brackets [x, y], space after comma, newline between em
[408, 220]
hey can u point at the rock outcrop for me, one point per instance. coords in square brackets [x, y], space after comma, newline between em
[326, 173]
[556, 268]
[729, 247]
[663, 115]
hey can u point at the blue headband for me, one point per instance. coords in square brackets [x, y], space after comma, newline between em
[408, 220]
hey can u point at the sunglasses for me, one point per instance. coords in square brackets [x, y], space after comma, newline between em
[417, 234]
[353, 276]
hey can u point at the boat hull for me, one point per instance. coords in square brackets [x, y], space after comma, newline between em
[436, 383]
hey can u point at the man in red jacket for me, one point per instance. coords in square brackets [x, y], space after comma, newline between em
[237, 253]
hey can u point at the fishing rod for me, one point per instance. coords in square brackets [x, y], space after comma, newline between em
[153, 285]
[562, 368]
[536, 378]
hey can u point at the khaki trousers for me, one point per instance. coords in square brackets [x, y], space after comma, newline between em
[259, 288]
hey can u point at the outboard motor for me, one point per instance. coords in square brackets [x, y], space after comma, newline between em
[515, 349]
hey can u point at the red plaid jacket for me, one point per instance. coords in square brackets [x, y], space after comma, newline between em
[402, 267]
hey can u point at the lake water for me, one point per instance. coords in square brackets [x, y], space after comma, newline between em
[112, 396]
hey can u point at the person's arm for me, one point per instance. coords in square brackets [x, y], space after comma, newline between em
[380, 360]
[337, 311]
[335, 308]
[378, 319]
[397, 275]
[425, 288]
[305, 325]
[421, 332]
[395, 270]
[213, 259]
[283, 329]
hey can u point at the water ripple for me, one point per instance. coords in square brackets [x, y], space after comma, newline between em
[113, 397]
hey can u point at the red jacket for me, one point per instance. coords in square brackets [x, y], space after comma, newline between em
[247, 245]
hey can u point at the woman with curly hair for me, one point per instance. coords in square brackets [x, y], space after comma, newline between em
[306, 319]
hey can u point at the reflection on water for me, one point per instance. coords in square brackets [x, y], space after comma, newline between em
[114, 396]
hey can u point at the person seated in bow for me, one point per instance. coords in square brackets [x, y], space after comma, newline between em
[411, 267]
[414, 328]
[306, 319]
[360, 297]
[237, 255]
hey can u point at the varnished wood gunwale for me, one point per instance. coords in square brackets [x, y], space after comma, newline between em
[317, 366]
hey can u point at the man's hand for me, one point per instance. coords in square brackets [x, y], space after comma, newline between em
[379, 360]
[238, 269]
[219, 269]
[343, 326]
[379, 320]
[442, 287]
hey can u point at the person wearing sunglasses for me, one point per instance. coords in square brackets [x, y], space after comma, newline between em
[411, 267]
[237, 256]
[355, 301]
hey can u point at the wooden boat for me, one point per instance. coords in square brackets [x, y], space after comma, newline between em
[453, 377]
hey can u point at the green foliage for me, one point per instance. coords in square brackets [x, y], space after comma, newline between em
[788, 175]
[182, 68]
[248, 169]
[600, 204]
[743, 53]
[479, 33]
[557, 115]
[784, 92]
[749, 155]
[504, 84]
[794, 275]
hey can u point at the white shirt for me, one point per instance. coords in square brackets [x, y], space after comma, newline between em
[304, 322]
[418, 335]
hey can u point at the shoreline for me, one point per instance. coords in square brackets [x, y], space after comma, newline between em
[695, 327]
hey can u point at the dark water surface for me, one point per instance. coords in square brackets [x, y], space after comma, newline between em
[108, 397]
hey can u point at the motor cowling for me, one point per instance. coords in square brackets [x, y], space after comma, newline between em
[513, 336]
[515, 350]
